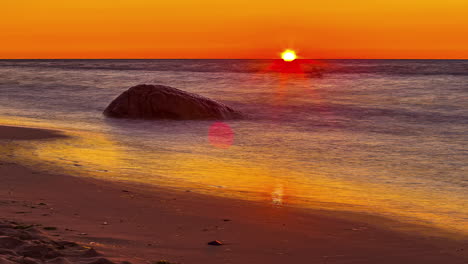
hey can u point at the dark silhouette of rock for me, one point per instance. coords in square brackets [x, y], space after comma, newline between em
[164, 102]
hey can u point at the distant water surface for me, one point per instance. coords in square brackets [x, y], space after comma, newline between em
[383, 136]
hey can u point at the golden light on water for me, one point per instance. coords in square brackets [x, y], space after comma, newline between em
[288, 55]
[237, 175]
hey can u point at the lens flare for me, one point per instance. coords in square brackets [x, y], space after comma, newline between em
[288, 55]
[221, 135]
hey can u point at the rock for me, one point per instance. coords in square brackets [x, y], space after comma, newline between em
[101, 261]
[215, 243]
[26, 236]
[9, 242]
[39, 252]
[90, 253]
[8, 232]
[23, 226]
[33, 247]
[3, 225]
[26, 260]
[5, 261]
[59, 260]
[4, 251]
[164, 102]
[66, 244]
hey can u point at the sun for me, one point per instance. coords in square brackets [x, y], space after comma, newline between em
[288, 55]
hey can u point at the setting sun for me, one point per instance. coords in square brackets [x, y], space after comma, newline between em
[288, 55]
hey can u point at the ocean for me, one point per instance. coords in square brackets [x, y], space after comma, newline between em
[386, 137]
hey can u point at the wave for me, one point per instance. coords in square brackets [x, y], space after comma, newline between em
[308, 67]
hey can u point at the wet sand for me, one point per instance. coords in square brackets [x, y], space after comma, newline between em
[24, 133]
[143, 224]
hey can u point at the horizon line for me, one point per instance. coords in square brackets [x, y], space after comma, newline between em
[231, 59]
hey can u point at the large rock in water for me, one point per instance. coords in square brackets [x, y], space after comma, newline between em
[164, 102]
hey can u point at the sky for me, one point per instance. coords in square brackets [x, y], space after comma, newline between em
[369, 29]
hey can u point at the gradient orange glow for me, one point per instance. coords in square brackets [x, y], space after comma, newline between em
[233, 29]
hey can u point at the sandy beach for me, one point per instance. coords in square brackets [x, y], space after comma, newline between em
[142, 224]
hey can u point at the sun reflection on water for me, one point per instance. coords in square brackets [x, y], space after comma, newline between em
[277, 195]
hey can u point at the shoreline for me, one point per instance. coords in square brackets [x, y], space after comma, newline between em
[143, 224]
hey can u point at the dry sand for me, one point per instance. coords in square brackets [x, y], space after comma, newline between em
[144, 224]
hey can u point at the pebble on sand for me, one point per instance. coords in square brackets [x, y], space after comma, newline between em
[215, 243]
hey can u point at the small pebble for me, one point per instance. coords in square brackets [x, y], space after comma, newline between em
[215, 243]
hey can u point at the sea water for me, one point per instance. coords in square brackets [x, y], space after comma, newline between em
[389, 137]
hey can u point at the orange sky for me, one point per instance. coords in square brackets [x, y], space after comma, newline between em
[233, 29]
